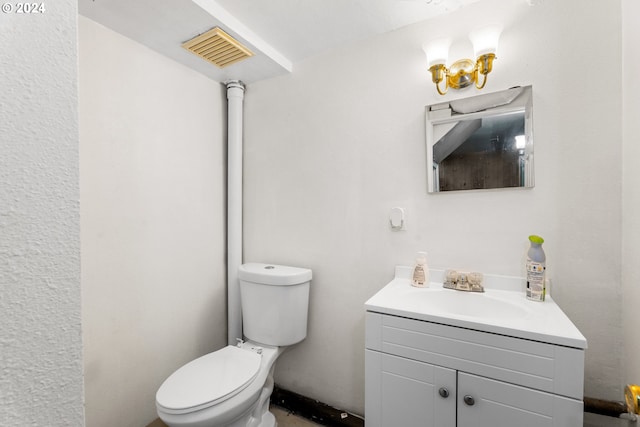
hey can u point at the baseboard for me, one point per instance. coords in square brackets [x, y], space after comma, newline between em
[326, 415]
[313, 410]
[604, 407]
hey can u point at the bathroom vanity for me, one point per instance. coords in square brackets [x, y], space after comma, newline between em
[445, 358]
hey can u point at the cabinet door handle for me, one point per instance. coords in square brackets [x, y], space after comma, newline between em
[469, 400]
[443, 392]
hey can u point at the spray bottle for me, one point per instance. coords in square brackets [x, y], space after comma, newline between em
[536, 266]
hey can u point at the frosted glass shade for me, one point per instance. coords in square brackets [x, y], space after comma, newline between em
[437, 51]
[485, 40]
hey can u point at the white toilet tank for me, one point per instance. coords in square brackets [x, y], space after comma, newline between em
[275, 303]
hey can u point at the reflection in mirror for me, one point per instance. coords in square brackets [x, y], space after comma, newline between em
[481, 142]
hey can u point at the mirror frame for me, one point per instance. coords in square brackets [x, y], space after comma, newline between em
[513, 100]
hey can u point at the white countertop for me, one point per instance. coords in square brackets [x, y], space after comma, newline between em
[502, 309]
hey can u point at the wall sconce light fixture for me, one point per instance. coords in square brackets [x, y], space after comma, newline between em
[463, 72]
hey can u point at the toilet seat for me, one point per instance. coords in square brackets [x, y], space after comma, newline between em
[209, 380]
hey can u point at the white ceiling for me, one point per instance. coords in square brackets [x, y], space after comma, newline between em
[280, 32]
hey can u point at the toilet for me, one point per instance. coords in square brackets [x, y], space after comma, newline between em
[231, 387]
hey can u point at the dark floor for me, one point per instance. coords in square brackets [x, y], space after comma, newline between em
[594, 420]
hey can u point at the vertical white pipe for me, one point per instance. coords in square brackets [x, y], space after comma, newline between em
[235, 96]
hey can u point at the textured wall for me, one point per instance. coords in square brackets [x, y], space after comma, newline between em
[40, 336]
[152, 156]
[332, 147]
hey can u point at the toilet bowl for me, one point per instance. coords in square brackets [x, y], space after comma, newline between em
[231, 387]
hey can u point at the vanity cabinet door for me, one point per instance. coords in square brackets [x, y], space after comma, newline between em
[408, 393]
[483, 402]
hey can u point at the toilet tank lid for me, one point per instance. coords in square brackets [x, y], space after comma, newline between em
[272, 274]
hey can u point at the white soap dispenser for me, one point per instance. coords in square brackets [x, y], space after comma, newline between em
[420, 278]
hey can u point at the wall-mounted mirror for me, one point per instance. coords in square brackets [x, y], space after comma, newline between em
[481, 142]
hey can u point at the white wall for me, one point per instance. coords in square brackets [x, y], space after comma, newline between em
[40, 336]
[631, 195]
[333, 146]
[152, 159]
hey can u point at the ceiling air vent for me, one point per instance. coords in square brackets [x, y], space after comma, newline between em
[217, 47]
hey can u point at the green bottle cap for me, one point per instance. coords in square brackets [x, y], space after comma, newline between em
[536, 239]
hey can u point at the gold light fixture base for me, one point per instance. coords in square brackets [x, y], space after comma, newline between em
[462, 73]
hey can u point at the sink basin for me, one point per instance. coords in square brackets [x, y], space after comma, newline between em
[492, 305]
[502, 309]
[469, 304]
